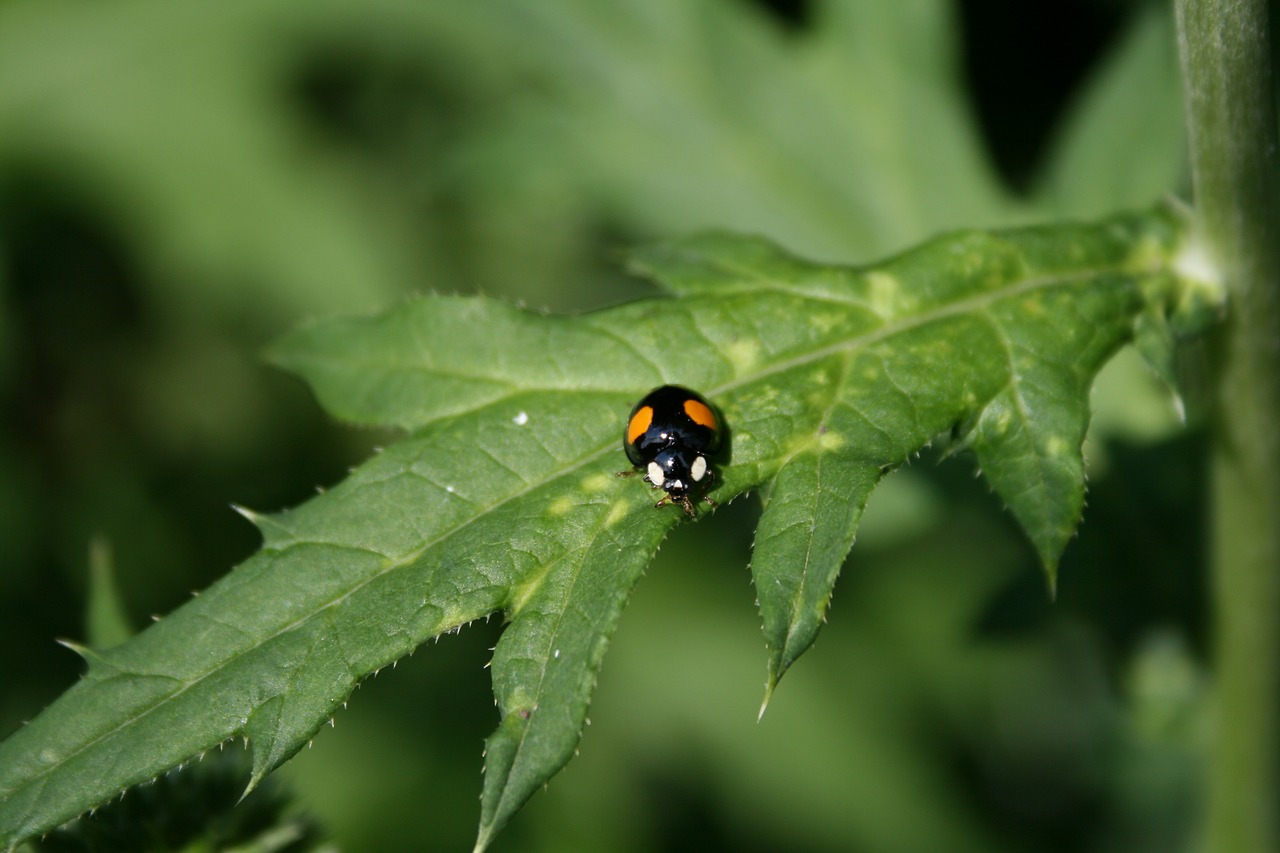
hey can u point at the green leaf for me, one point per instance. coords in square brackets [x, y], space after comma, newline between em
[1124, 139]
[204, 157]
[106, 618]
[852, 138]
[216, 170]
[503, 496]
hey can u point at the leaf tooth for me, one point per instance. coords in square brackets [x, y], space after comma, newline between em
[247, 514]
[82, 650]
[89, 655]
[769, 684]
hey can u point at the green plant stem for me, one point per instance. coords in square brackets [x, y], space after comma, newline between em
[1226, 55]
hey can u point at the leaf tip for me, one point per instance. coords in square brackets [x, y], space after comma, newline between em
[777, 666]
[260, 771]
[768, 694]
[248, 515]
[82, 650]
[1051, 580]
[254, 781]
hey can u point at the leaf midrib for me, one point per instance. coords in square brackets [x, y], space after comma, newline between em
[969, 304]
[544, 668]
[798, 599]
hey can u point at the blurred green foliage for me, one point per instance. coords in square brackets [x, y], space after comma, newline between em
[180, 183]
[196, 811]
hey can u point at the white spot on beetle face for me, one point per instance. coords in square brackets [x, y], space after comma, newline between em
[698, 469]
[656, 474]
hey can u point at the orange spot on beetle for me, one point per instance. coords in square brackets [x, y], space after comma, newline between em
[700, 413]
[639, 423]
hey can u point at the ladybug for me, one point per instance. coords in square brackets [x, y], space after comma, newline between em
[670, 434]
